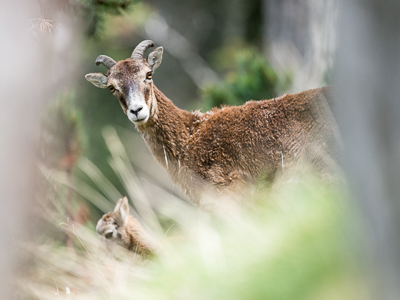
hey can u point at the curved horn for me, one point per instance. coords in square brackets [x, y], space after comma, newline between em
[105, 60]
[141, 49]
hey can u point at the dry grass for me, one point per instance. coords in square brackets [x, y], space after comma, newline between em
[290, 243]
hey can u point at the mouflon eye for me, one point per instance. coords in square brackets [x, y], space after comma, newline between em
[109, 235]
[111, 88]
[149, 75]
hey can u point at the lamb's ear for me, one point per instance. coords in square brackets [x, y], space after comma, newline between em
[155, 57]
[122, 210]
[118, 205]
[97, 79]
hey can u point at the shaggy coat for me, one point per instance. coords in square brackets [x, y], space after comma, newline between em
[231, 146]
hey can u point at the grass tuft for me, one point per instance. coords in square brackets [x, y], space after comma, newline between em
[286, 243]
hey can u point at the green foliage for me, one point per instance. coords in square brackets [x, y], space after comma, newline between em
[93, 12]
[250, 78]
[292, 249]
[291, 246]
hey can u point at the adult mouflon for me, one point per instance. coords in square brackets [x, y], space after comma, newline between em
[227, 147]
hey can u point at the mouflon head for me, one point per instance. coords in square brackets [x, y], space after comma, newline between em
[131, 81]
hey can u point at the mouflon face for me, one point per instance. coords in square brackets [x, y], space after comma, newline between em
[131, 81]
[112, 226]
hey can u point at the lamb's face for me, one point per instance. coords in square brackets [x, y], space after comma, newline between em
[112, 225]
[131, 82]
[107, 226]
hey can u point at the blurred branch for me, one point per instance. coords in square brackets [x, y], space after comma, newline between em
[44, 26]
[179, 47]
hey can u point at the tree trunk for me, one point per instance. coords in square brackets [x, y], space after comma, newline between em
[368, 113]
[32, 68]
[299, 38]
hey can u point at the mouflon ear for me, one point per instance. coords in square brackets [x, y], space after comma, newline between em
[122, 210]
[119, 202]
[155, 57]
[97, 79]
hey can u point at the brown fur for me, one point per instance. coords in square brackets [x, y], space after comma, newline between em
[235, 145]
[228, 147]
[121, 228]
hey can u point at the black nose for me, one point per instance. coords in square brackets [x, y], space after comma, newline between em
[136, 111]
[109, 235]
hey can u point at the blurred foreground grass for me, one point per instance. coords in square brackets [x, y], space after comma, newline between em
[292, 243]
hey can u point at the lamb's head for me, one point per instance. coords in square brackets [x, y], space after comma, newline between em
[131, 81]
[112, 226]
